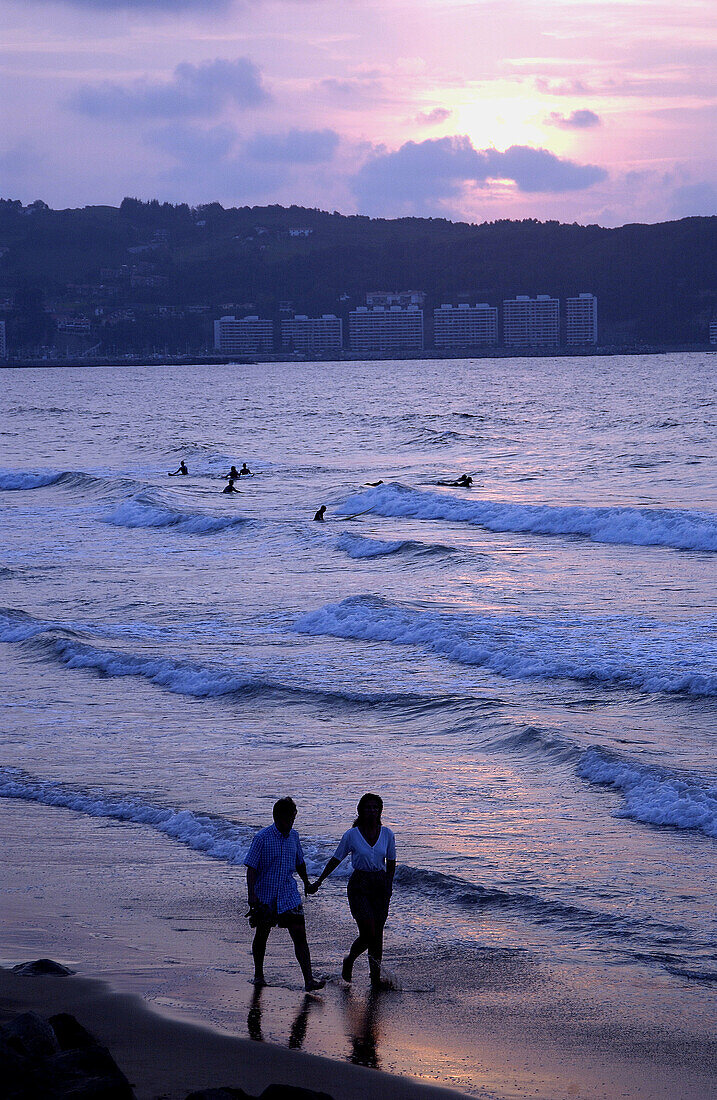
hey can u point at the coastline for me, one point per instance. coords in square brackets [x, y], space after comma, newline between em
[171, 1058]
[156, 936]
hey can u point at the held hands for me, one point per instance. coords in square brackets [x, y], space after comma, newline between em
[311, 887]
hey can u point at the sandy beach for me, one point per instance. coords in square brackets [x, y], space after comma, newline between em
[165, 985]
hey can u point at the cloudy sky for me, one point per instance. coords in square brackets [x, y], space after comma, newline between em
[581, 110]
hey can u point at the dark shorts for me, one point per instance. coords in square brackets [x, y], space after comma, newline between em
[369, 896]
[267, 917]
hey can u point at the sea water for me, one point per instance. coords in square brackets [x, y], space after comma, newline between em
[526, 671]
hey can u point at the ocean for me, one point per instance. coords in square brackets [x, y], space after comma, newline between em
[525, 671]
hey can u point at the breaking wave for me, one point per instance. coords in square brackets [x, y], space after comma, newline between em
[25, 479]
[654, 796]
[143, 512]
[669, 527]
[356, 546]
[228, 841]
[613, 650]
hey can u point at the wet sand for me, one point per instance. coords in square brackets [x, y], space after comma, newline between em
[160, 931]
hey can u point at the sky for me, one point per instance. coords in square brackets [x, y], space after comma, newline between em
[589, 111]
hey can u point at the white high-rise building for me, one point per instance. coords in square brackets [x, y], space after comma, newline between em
[581, 318]
[465, 326]
[246, 336]
[531, 322]
[381, 330]
[3, 341]
[302, 333]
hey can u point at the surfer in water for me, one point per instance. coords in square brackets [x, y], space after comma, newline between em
[233, 474]
[373, 484]
[372, 848]
[245, 471]
[274, 856]
[182, 469]
[319, 516]
[230, 487]
[463, 482]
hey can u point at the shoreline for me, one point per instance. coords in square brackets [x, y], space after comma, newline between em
[348, 357]
[167, 1057]
[164, 928]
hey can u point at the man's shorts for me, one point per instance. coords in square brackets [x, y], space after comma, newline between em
[265, 915]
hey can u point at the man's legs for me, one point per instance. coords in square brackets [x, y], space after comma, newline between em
[297, 931]
[258, 950]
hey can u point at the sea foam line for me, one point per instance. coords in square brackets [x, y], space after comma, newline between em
[654, 796]
[146, 513]
[668, 527]
[357, 546]
[617, 650]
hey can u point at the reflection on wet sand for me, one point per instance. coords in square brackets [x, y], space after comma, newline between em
[363, 1027]
[298, 1028]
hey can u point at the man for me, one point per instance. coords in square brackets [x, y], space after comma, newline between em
[230, 488]
[182, 469]
[275, 854]
[319, 517]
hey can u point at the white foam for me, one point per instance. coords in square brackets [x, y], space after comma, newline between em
[619, 650]
[669, 527]
[653, 796]
[213, 836]
[26, 479]
[357, 547]
[139, 513]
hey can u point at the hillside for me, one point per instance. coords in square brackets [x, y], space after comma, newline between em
[156, 273]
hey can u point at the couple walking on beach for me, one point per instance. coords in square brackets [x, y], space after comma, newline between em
[276, 854]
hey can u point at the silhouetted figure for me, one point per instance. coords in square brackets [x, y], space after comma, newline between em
[273, 858]
[373, 484]
[465, 480]
[182, 470]
[233, 473]
[372, 848]
[245, 471]
[229, 488]
[320, 514]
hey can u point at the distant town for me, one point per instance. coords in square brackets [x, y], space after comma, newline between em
[396, 323]
[157, 281]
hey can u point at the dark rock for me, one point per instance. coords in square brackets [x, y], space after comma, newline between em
[42, 966]
[87, 1073]
[292, 1092]
[71, 1035]
[15, 1069]
[30, 1036]
[220, 1094]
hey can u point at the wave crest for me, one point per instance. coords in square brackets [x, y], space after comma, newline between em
[668, 527]
[615, 650]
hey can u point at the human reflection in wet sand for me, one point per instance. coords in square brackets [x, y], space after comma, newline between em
[298, 1028]
[363, 1027]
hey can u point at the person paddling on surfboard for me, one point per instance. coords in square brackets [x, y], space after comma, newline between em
[182, 470]
[230, 487]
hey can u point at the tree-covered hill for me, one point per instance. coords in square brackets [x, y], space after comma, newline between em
[654, 283]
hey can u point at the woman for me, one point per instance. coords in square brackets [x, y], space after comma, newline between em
[372, 848]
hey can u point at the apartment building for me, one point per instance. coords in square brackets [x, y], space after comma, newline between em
[465, 326]
[247, 336]
[383, 331]
[531, 322]
[312, 334]
[581, 319]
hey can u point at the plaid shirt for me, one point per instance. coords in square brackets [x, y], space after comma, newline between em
[275, 858]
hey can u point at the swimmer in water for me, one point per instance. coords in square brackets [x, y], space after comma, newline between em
[465, 480]
[182, 469]
[233, 473]
[320, 514]
[230, 487]
[245, 471]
